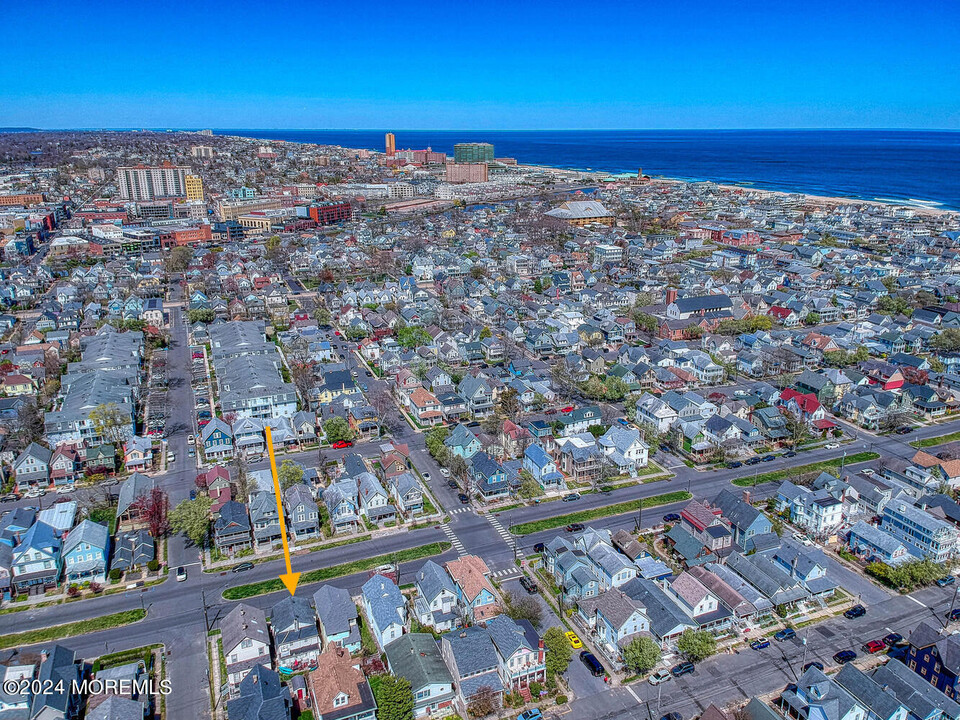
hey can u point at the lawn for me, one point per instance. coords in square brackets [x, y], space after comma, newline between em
[804, 469]
[607, 510]
[268, 586]
[56, 632]
[939, 440]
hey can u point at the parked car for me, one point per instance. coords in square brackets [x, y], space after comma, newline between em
[892, 639]
[567, 409]
[64, 489]
[844, 656]
[734, 465]
[873, 646]
[444, 472]
[572, 497]
[453, 485]
[785, 634]
[671, 518]
[539, 548]
[463, 499]
[575, 527]
[954, 614]
[181, 574]
[946, 580]
[340, 444]
[529, 585]
[768, 458]
[760, 644]
[682, 669]
[575, 642]
[593, 665]
[813, 663]
[242, 567]
[832, 446]
[660, 677]
[855, 612]
[531, 714]
[753, 461]
[905, 430]
[672, 716]
[9, 497]
[790, 453]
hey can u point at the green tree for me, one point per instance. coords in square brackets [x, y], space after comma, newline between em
[558, 652]
[179, 259]
[434, 442]
[508, 404]
[485, 332]
[110, 422]
[289, 473]
[322, 316]
[273, 247]
[192, 518]
[413, 337]
[523, 607]
[204, 316]
[537, 286]
[697, 644]
[812, 318]
[337, 429]
[641, 654]
[529, 487]
[947, 339]
[394, 698]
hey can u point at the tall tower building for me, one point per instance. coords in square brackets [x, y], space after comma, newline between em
[391, 145]
[194, 187]
[473, 152]
[141, 182]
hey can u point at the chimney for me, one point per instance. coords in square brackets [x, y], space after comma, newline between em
[746, 496]
[255, 678]
[671, 295]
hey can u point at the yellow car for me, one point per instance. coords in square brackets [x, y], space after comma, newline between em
[575, 642]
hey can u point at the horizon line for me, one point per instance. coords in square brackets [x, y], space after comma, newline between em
[161, 128]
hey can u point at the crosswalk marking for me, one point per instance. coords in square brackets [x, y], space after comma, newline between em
[503, 532]
[454, 540]
[461, 510]
[916, 601]
[507, 574]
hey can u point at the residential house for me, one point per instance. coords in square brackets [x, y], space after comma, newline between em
[217, 439]
[337, 617]
[339, 689]
[543, 468]
[436, 601]
[36, 561]
[295, 635]
[489, 478]
[614, 619]
[385, 608]
[245, 639]
[261, 696]
[130, 511]
[475, 592]
[745, 520]
[923, 534]
[302, 512]
[473, 662]
[138, 453]
[32, 466]
[416, 657]
[232, 529]
[85, 552]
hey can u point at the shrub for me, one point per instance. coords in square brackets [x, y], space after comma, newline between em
[153, 565]
[115, 574]
[561, 699]
[73, 591]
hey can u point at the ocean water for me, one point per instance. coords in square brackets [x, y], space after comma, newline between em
[921, 167]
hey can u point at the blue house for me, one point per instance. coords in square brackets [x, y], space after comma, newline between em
[217, 439]
[385, 607]
[85, 552]
[36, 561]
[542, 467]
[489, 477]
[463, 442]
[337, 616]
[745, 520]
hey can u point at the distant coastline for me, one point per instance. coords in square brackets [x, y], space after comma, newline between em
[916, 169]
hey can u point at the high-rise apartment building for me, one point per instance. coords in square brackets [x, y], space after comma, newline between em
[194, 187]
[141, 182]
[391, 145]
[202, 151]
[467, 172]
[473, 152]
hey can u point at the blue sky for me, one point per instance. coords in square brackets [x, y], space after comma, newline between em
[481, 65]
